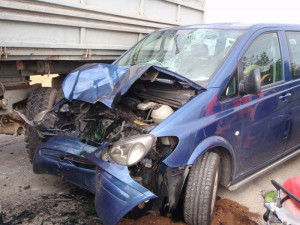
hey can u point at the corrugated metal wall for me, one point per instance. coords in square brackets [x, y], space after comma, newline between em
[85, 29]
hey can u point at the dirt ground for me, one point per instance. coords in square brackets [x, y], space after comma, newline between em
[27, 198]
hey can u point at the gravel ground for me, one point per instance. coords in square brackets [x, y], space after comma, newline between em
[30, 198]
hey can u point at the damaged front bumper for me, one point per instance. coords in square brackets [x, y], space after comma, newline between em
[115, 191]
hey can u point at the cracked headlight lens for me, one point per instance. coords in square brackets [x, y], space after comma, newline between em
[130, 151]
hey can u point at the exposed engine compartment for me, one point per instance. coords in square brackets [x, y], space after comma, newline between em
[143, 107]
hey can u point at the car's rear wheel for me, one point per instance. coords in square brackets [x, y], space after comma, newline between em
[39, 100]
[201, 190]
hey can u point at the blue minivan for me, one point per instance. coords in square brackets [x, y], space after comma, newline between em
[184, 110]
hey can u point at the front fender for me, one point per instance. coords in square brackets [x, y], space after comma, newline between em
[209, 143]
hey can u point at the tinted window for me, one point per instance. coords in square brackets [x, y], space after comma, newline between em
[264, 53]
[294, 47]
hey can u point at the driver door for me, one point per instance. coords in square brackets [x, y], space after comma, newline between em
[265, 125]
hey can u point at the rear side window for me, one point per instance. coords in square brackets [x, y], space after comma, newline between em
[264, 53]
[294, 47]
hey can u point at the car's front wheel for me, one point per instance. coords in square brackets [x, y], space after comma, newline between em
[201, 190]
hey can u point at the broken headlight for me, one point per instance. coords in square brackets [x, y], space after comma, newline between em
[130, 151]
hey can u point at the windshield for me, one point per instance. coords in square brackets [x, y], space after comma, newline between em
[192, 53]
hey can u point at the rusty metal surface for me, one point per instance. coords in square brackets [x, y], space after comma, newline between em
[12, 96]
[11, 127]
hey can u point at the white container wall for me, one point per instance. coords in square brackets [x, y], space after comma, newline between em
[85, 29]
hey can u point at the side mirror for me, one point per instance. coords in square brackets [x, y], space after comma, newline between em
[252, 85]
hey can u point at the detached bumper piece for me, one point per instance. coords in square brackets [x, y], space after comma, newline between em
[116, 193]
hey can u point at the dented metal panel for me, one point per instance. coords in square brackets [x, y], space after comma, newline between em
[115, 193]
[103, 82]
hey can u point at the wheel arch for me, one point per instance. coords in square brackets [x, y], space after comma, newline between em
[226, 165]
[225, 151]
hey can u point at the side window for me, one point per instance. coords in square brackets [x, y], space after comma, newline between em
[231, 89]
[294, 47]
[264, 53]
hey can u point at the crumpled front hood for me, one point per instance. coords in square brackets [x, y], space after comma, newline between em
[100, 82]
[103, 82]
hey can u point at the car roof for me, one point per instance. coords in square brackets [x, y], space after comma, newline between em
[236, 26]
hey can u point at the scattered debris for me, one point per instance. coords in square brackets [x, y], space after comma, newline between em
[77, 207]
[45, 210]
[54, 209]
[68, 211]
[46, 207]
[24, 187]
[19, 218]
[58, 200]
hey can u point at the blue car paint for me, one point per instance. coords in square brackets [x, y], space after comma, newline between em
[249, 127]
[98, 82]
[210, 143]
[115, 191]
[58, 161]
[104, 82]
[231, 113]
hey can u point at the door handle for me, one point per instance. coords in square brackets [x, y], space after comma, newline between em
[283, 97]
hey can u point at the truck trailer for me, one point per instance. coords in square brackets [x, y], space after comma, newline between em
[40, 37]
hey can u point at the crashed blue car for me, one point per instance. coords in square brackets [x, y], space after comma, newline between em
[182, 111]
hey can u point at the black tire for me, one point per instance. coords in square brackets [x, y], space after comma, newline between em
[39, 100]
[201, 190]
